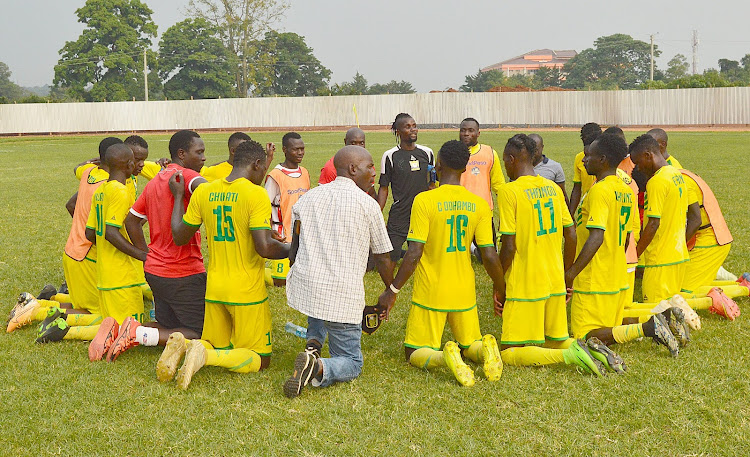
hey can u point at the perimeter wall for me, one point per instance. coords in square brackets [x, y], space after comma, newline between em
[673, 107]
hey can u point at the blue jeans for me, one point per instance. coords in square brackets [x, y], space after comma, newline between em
[344, 346]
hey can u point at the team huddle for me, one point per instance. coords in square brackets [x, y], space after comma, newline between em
[633, 210]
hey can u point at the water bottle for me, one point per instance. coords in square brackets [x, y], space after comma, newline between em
[296, 330]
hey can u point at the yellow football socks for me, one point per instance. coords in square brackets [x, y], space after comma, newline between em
[61, 298]
[40, 314]
[239, 360]
[532, 356]
[427, 358]
[625, 333]
[474, 352]
[731, 291]
[85, 332]
[75, 320]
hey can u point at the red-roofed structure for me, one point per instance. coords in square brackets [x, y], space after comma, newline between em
[529, 63]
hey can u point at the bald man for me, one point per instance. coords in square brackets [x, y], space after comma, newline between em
[546, 167]
[355, 136]
[335, 227]
[661, 137]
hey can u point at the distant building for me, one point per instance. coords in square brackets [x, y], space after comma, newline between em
[529, 63]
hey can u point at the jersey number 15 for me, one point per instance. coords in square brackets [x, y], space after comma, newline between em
[224, 225]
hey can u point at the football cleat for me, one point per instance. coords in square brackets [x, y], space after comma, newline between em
[724, 275]
[304, 369]
[195, 358]
[678, 326]
[452, 356]
[55, 331]
[663, 335]
[23, 313]
[47, 292]
[104, 338]
[605, 355]
[578, 354]
[170, 359]
[492, 363]
[691, 317]
[125, 339]
[721, 304]
[52, 315]
[63, 288]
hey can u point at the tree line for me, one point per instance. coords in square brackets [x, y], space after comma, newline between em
[229, 48]
[225, 48]
[617, 62]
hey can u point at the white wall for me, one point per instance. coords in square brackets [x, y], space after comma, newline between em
[725, 106]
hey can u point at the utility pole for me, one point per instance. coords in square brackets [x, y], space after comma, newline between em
[145, 76]
[695, 52]
[652, 58]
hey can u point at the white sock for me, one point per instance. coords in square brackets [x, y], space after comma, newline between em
[147, 336]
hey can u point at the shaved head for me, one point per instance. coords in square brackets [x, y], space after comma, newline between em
[658, 134]
[355, 163]
[118, 155]
[120, 160]
[355, 136]
[349, 155]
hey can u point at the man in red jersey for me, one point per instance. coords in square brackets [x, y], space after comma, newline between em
[176, 274]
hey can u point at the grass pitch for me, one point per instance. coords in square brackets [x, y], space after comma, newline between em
[54, 401]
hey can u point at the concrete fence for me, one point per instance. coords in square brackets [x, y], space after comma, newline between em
[715, 106]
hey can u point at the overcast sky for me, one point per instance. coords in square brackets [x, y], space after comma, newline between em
[430, 43]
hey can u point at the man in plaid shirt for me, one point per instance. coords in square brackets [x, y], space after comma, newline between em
[335, 226]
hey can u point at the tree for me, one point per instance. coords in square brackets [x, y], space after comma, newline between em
[483, 81]
[295, 70]
[392, 87]
[106, 62]
[519, 80]
[358, 86]
[193, 62]
[733, 72]
[616, 62]
[8, 89]
[547, 77]
[243, 23]
[677, 68]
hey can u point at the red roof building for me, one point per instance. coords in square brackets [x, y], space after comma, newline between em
[529, 63]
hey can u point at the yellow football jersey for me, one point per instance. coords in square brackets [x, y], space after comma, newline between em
[446, 220]
[150, 169]
[114, 269]
[674, 162]
[667, 198]
[609, 205]
[230, 211]
[581, 175]
[104, 175]
[704, 237]
[218, 171]
[533, 209]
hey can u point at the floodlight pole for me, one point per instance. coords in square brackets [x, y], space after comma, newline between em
[145, 75]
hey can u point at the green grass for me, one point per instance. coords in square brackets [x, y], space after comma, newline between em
[54, 401]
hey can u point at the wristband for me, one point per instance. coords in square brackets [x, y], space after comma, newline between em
[393, 289]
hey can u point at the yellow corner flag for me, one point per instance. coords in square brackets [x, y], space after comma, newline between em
[356, 117]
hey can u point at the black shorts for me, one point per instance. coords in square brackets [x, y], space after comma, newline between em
[179, 302]
[397, 240]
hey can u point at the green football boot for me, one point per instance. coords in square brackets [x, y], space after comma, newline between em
[605, 355]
